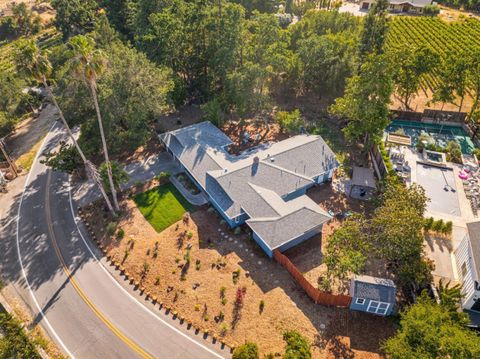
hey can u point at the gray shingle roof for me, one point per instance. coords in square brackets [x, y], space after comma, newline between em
[373, 288]
[280, 230]
[255, 183]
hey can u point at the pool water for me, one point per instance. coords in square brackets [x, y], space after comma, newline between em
[441, 134]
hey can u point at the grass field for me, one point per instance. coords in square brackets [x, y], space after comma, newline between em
[162, 206]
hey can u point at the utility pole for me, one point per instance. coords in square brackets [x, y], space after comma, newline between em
[9, 160]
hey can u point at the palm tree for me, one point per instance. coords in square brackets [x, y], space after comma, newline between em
[88, 64]
[35, 64]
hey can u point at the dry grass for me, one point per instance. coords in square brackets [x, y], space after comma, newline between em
[25, 161]
[192, 283]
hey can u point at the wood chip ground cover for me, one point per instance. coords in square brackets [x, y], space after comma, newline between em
[201, 286]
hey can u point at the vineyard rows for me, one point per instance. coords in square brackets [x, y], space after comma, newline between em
[443, 38]
[46, 39]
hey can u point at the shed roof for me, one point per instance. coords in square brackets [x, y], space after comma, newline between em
[363, 176]
[373, 288]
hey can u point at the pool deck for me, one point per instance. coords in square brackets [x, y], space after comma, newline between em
[438, 249]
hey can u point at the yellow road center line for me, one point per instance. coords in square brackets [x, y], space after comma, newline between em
[130, 343]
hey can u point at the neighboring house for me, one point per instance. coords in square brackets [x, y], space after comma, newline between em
[264, 187]
[400, 6]
[467, 258]
[372, 295]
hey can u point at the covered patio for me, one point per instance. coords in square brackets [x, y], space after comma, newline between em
[363, 184]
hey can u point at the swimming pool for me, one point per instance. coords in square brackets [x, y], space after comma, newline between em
[442, 134]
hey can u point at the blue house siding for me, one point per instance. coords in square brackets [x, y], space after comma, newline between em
[299, 192]
[229, 221]
[262, 245]
[300, 239]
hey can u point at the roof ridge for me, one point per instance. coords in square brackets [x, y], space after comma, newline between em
[288, 171]
[273, 219]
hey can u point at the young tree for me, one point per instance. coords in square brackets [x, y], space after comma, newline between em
[413, 63]
[88, 64]
[428, 330]
[35, 64]
[366, 99]
[347, 248]
[375, 29]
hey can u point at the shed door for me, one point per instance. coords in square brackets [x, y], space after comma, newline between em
[378, 307]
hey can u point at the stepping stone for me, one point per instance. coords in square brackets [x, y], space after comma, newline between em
[259, 263]
[322, 326]
[246, 249]
[251, 254]
[276, 281]
[230, 239]
[241, 245]
[219, 229]
[235, 242]
[226, 236]
[221, 233]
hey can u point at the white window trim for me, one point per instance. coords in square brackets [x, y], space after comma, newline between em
[360, 301]
[376, 304]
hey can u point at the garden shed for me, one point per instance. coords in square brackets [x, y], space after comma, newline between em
[373, 295]
[362, 185]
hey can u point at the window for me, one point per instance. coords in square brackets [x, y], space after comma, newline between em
[360, 301]
[237, 219]
[380, 308]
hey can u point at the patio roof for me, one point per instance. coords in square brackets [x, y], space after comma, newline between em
[363, 177]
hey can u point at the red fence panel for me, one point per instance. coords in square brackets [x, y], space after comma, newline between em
[315, 294]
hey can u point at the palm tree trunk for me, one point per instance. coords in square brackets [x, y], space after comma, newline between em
[90, 168]
[104, 143]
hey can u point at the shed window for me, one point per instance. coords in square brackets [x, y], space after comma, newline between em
[360, 301]
[378, 307]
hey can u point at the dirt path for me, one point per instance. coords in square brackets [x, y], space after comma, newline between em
[30, 131]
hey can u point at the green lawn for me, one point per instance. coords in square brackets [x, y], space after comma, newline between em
[162, 206]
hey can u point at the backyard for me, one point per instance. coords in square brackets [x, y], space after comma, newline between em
[162, 206]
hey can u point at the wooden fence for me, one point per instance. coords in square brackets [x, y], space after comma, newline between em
[315, 294]
[429, 115]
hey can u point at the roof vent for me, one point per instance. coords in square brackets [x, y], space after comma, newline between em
[272, 159]
[256, 159]
[225, 170]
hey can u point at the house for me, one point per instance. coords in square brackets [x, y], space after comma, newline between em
[264, 187]
[372, 295]
[467, 258]
[400, 6]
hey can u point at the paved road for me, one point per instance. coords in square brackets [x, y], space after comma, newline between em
[82, 307]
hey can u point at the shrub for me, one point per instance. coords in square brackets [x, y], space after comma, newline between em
[438, 225]
[454, 152]
[189, 235]
[223, 329]
[111, 228]
[197, 264]
[15, 343]
[289, 121]
[163, 177]
[297, 346]
[157, 280]
[431, 10]
[447, 228]
[261, 306]
[6, 124]
[120, 233]
[428, 224]
[246, 351]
